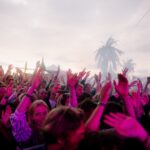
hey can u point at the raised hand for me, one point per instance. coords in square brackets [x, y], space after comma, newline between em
[81, 74]
[137, 104]
[136, 95]
[5, 116]
[98, 82]
[105, 92]
[122, 86]
[98, 77]
[126, 126]
[122, 89]
[72, 79]
[93, 122]
[37, 79]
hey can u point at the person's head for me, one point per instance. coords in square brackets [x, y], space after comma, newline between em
[37, 113]
[64, 125]
[55, 88]
[79, 89]
[64, 99]
[42, 94]
[88, 88]
[43, 84]
[103, 140]
[113, 106]
[88, 106]
[9, 80]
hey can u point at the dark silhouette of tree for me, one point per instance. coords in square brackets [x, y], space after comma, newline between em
[107, 57]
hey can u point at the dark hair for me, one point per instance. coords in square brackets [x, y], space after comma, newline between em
[64, 97]
[114, 105]
[60, 122]
[88, 105]
[103, 140]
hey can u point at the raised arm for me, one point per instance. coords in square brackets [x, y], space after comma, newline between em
[20, 127]
[137, 98]
[122, 89]
[98, 82]
[72, 81]
[26, 101]
[93, 122]
[87, 74]
[80, 76]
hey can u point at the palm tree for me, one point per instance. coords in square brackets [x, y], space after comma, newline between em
[129, 64]
[107, 57]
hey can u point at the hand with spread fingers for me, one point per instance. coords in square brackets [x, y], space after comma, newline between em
[122, 86]
[72, 79]
[127, 127]
[81, 74]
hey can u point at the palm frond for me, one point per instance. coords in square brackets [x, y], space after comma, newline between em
[107, 56]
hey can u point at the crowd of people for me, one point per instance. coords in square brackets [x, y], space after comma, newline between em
[40, 111]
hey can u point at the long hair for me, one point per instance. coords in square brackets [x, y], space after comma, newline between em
[60, 122]
[31, 110]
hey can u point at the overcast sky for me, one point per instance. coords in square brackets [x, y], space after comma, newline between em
[68, 32]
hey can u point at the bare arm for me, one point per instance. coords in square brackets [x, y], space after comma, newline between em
[26, 101]
[93, 122]
[122, 89]
[72, 81]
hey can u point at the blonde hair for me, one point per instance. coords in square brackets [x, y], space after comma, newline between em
[31, 109]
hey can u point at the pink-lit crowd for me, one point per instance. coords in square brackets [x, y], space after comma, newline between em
[45, 111]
